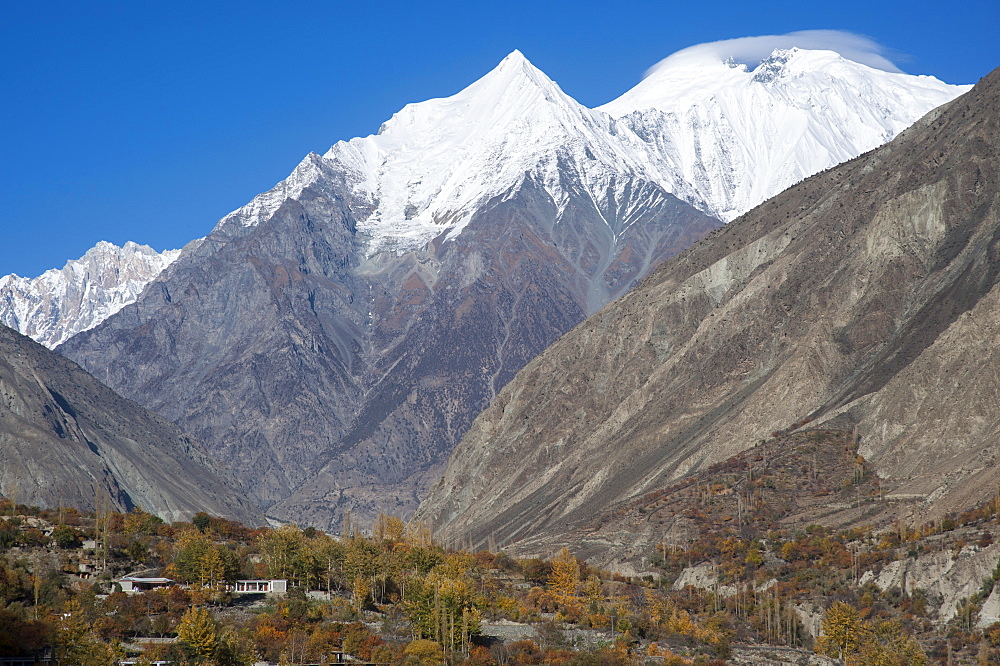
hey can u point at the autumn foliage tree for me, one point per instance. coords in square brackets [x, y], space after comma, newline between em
[198, 631]
[77, 645]
[565, 579]
[842, 630]
[847, 636]
[442, 606]
[197, 560]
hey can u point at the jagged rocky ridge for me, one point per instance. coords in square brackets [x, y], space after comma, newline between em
[60, 303]
[66, 439]
[865, 296]
[335, 337]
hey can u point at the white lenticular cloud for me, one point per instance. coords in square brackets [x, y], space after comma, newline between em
[751, 50]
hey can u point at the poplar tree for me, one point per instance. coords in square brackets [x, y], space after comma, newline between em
[565, 578]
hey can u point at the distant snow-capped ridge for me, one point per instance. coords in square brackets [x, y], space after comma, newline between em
[60, 303]
[713, 132]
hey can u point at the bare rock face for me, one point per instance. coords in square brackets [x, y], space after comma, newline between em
[330, 378]
[865, 296]
[947, 577]
[67, 439]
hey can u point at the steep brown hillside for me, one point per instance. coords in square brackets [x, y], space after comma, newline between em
[865, 296]
[65, 438]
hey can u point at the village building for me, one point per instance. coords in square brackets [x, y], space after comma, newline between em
[136, 585]
[279, 587]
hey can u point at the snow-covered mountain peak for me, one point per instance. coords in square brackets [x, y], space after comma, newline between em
[511, 94]
[514, 56]
[693, 76]
[61, 302]
[513, 75]
[740, 132]
[775, 66]
[434, 162]
[783, 66]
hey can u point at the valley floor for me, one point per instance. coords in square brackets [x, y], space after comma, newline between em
[776, 566]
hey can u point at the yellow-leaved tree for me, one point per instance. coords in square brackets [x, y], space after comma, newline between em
[847, 636]
[198, 631]
[565, 578]
[76, 643]
[211, 569]
[887, 644]
[388, 528]
[842, 631]
[423, 651]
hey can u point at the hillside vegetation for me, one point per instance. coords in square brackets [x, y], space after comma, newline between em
[755, 565]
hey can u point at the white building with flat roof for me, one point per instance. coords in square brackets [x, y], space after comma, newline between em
[259, 587]
[136, 585]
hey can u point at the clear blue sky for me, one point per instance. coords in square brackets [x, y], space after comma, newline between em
[148, 121]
